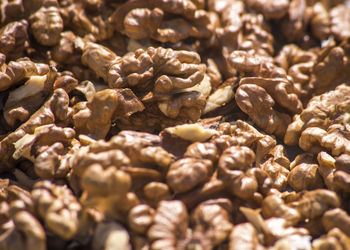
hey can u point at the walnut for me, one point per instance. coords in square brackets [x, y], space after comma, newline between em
[191, 132]
[139, 20]
[330, 70]
[170, 224]
[46, 24]
[25, 232]
[64, 52]
[276, 164]
[187, 173]
[211, 222]
[54, 110]
[163, 76]
[20, 69]
[304, 174]
[75, 14]
[107, 190]
[294, 23]
[110, 235]
[14, 39]
[340, 25]
[321, 112]
[104, 108]
[140, 218]
[244, 236]
[11, 10]
[299, 64]
[271, 9]
[337, 218]
[58, 207]
[274, 206]
[26, 99]
[258, 104]
[206, 150]
[335, 239]
[235, 169]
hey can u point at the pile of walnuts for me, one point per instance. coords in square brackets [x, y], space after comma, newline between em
[174, 124]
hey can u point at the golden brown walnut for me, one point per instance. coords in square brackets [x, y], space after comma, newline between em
[274, 206]
[320, 20]
[161, 78]
[140, 20]
[235, 170]
[270, 9]
[104, 108]
[211, 222]
[64, 51]
[97, 24]
[54, 110]
[304, 175]
[298, 64]
[244, 236]
[169, 226]
[187, 173]
[335, 239]
[313, 204]
[259, 105]
[110, 235]
[14, 39]
[156, 191]
[23, 68]
[331, 68]
[321, 112]
[107, 190]
[58, 208]
[337, 218]
[25, 232]
[201, 150]
[340, 24]
[140, 218]
[46, 24]
[276, 164]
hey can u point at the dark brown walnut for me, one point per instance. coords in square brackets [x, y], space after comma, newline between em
[23, 232]
[340, 24]
[14, 39]
[46, 24]
[23, 68]
[337, 218]
[57, 207]
[107, 190]
[270, 9]
[169, 228]
[331, 68]
[163, 21]
[105, 107]
[140, 218]
[304, 174]
[294, 23]
[335, 239]
[211, 223]
[321, 112]
[298, 64]
[187, 173]
[55, 110]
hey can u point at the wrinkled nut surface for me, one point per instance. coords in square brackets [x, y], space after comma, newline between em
[174, 124]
